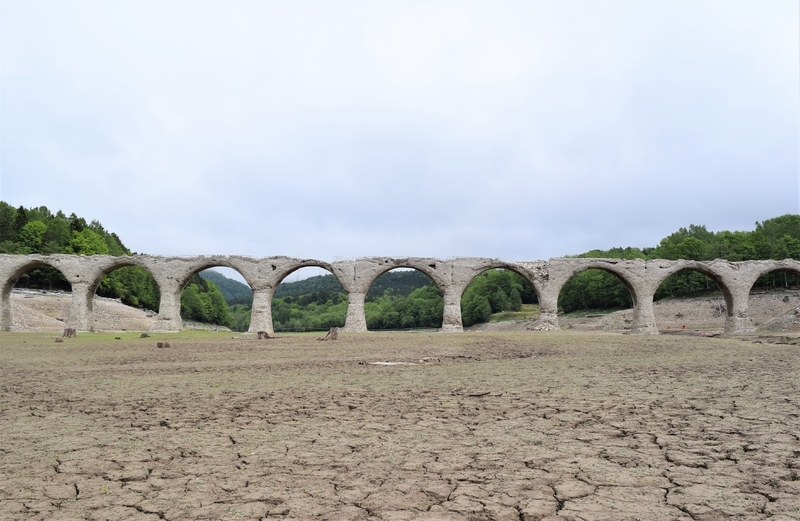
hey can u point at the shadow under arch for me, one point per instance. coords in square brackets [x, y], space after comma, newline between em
[473, 309]
[313, 303]
[418, 302]
[27, 265]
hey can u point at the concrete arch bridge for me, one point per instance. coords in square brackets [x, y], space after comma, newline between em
[264, 274]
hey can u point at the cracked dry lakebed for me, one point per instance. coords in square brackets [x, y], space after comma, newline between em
[474, 426]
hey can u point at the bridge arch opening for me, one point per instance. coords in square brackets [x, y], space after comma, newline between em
[691, 299]
[592, 293]
[133, 286]
[403, 298]
[774, 301]
[498, 295]
[216, 296]
[36, 296]
[781, 279]
[310, 298]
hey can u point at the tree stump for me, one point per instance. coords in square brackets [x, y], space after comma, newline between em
[333, 334]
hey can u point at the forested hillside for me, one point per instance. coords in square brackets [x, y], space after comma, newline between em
[777, 238]
[398, 299]
[235, 292]
[38, 230]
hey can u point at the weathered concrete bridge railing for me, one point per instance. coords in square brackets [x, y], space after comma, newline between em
[172, 274]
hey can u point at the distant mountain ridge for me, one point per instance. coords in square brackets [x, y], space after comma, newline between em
[234, 291]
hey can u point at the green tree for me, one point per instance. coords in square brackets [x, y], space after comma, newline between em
[20, 220]
[787, 247]
[514, 300]
[691, 248]
[87, 242]
[8, 215]
[202, 301]
[477, 311]
[31, 236]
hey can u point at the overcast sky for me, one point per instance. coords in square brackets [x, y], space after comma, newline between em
[520, 130]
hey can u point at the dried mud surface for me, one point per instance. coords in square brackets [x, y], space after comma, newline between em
[503, 426]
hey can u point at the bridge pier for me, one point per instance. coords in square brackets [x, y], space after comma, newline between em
[737, 319]
[261, 313]
[5, 309]
[356, 321]
[451, 319]
[644, 317]
[548, 310]
[81, 306]
[169, 308]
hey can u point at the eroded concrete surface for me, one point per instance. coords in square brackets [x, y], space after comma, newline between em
[558, 426]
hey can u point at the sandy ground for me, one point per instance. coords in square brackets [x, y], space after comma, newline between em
[701, 314]
[493, 426]
[33, 310]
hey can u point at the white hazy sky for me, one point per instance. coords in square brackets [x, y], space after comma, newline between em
[520, 130]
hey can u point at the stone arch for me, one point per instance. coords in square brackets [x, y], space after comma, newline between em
[632, 274]
[271, 272]
[495, 264]
[199, 267]
[426, 266]
[281, 273]
[12, 272]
